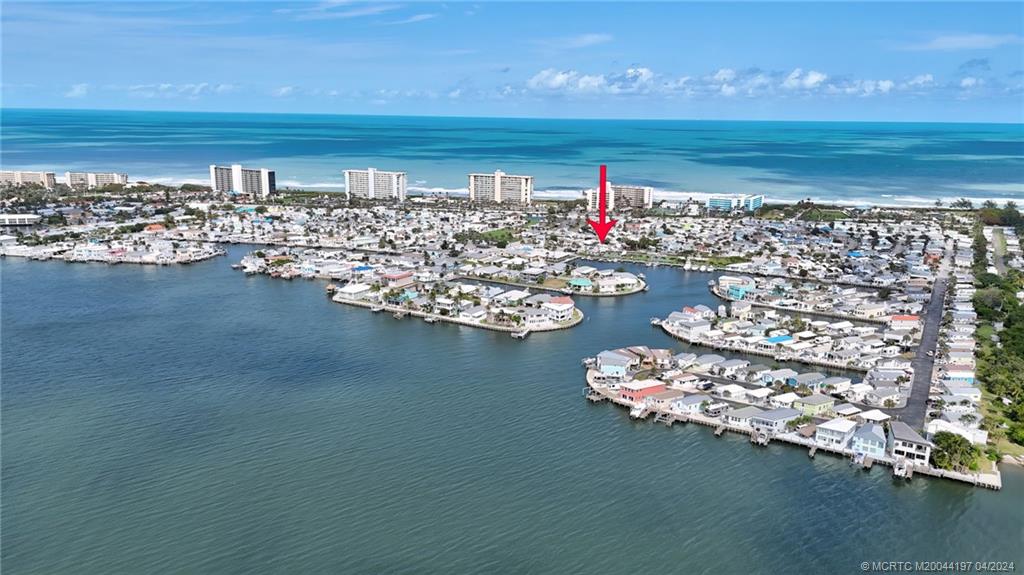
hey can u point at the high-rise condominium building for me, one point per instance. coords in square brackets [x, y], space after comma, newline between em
[94, 179]
[501, 188]
[375, 184]
[731, 202]
[258, 183]
[20, 178]
[622, 197]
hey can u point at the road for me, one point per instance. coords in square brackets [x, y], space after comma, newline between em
[999, 250]
[917, 404]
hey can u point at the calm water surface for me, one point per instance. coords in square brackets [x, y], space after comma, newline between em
[191, 419]
[846, 162]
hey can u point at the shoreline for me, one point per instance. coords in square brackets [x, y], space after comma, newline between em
[578, 317]
[991, 480]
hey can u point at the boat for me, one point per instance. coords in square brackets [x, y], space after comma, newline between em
[589, 361]
[331, 287]
[376, 309]
[430, 319]
[705, 269]
[687, 266]
[399, 315]
[642, 276]
[236, 266]
[521, 334]
[655, 321]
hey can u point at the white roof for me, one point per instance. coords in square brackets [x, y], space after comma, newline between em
[840, 424]
[354, 288]
[874, 415]
[760, 392]
[641, 384]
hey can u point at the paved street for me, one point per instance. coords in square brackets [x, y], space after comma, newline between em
[914, 412]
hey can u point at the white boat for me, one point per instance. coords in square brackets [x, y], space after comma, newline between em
[642, 276]
[655, 321]
[430, 319]
[687, 266]
[521, 334]
[376, 309]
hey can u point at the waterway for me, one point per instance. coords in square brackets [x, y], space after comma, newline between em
[192, 419]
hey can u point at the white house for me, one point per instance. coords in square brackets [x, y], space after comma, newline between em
[835, 432]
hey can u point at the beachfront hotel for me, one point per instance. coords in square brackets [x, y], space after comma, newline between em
[622, 196]
[90, 180]
[234, 179]
[20, 178]
[375, 184]
[732, 202]
[501, 188]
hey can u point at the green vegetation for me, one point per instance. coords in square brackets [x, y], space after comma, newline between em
[823, 215]
[799, 421]
[1000, 362]
[954, 452]
[500, 237]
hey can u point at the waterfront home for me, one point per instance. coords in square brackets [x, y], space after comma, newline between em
[835, 432]
[905, 322]
[904, 442]
[741, 416]
[815, 405]
[976, 436]
[809, 380]
[753, 372]
[729, 367]
[476, 313]
[870, 440]
[704, 363]
[835, 384]
[973, 394]
[357, 291]
[774, 420]
[778, 376]
[663, 400]
[690, 404]
[636, 392]
[559, 309]
[613, 364]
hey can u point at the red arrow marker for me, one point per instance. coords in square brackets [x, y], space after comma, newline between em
[602, 227]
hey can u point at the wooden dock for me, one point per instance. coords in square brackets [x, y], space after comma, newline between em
[599, 393]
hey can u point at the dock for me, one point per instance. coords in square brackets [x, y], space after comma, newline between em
[902, 468]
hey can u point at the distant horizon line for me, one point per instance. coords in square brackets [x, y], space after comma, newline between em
[488, 117]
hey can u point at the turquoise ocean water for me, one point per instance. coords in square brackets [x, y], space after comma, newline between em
[194, 420]
[850, 163]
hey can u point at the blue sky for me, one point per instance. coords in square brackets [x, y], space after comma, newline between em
[816, 61]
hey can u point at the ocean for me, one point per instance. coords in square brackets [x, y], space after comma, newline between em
[192, 419]
[906, 164]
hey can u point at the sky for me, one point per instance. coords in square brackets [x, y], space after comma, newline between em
[828, 61]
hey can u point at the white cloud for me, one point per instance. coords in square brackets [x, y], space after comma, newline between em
[920, 81]
[337, 10]
[454, 94]
[413, 19]
[955, 42]
[885, 86]
[725, 75]
[797, 80]
[77, 91]
[728, 90]
[573, 42]
[970, 82]
[283, 91]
